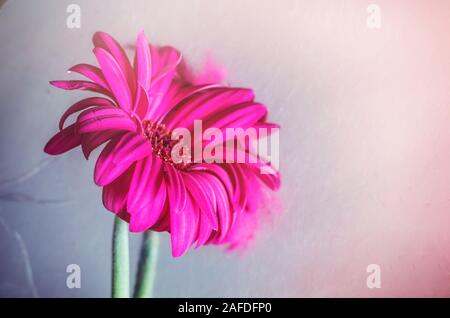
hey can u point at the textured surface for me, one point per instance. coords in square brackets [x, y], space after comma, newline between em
[365, 146]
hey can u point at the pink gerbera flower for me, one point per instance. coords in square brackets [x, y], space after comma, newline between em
[205, 203]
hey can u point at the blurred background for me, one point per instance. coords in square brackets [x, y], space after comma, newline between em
[362, 94]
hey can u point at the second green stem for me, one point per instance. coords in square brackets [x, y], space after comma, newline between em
[147, 265]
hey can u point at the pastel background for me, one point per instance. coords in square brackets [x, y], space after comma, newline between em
[365, 116]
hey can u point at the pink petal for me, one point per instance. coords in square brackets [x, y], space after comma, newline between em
[255, 164]
[203, 196]
[163, 224]
[164, 63]
[238, 116]
[83, 104]
[106, 42]
[119, 154]
[142, 102]
[254, 197]
[115, 194]
[176, 189]
[104, 118]
[270, 127]
[177, 92]
[143, 62]
[91, 72]
[162, 57]
[220, 173]
[183, 229]
[270, 177]
[141, 184]
[205, 103]
[240, 186]
[91, 141]
[81, 85]
[271, 180]
[223, 205]
[115, 78]
[204, 231]
[147, 194]
[63, 141]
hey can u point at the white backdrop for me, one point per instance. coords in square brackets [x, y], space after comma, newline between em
[365, 146]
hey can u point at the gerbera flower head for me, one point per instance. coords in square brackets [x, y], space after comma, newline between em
[140, 107]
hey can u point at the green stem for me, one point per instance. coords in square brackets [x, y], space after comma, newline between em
[120, 260]
[147, 266]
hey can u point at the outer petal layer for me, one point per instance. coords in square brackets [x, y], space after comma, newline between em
[63, 141]
[120, 153]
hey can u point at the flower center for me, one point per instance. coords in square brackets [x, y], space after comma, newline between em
[160, 138]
